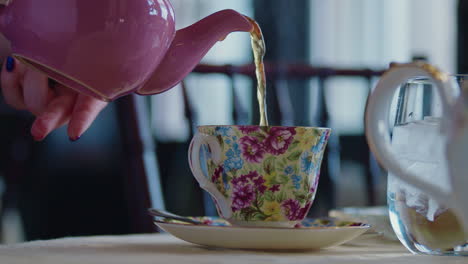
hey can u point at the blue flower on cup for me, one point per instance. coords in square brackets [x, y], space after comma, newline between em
[233, 163]
[319, 146]
[230, 153]
[224, 131]
[236, 149]
[296, 179]
[288, 170]
[306, 162]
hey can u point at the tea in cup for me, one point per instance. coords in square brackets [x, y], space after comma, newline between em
[259, 175]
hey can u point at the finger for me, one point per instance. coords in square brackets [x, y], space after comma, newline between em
[85, 111]
[56, 114]
[12, 72]
[36, 91]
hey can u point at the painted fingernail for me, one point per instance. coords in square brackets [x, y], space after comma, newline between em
[10, 64]
[74, 139]
[36, 138]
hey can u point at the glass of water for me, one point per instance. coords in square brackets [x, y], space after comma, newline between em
[420, 222]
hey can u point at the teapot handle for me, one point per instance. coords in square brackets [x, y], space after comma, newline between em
[194, 161]
[377, 125]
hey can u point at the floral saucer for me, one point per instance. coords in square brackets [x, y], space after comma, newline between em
[310, 234]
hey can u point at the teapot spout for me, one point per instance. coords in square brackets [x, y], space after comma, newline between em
[189, 46]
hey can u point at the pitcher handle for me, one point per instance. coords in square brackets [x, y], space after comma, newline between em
[377, 125]
[194, 161]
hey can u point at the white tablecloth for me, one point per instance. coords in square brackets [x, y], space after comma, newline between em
[163, 248]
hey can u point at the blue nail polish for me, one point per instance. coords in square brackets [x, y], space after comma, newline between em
[10, 64]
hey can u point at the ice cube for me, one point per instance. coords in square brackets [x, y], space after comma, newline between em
[420, 147]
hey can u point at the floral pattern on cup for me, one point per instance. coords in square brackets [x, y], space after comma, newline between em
[268, 173]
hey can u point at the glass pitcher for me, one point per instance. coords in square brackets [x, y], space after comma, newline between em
[422, 223]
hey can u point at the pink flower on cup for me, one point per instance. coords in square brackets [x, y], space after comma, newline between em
[217, 174]
[243, 196]
[252, 177]
[279, 139]
[248, 129]
[291, 208]
[259, 184]
[303, 211]
[293, 211]
[275, 188]
[252, 149]
[245, 189]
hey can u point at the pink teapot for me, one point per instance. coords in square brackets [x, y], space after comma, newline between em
[110, 48]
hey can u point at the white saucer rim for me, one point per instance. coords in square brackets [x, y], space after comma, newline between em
[265, 238]
[296, 229]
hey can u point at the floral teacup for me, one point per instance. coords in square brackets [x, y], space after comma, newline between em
[259, 176]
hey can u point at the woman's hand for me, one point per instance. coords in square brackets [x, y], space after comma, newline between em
[54, 105]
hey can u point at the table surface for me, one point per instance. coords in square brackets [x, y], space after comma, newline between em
[164, 248]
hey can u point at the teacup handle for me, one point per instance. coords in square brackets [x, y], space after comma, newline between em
[194, 162]
[377, 125]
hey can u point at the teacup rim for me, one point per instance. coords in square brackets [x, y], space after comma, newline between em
[306, 127]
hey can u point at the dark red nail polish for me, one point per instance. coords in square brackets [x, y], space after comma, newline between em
[36, 138]
[74, 139]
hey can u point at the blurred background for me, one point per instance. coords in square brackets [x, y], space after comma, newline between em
[322, 58]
